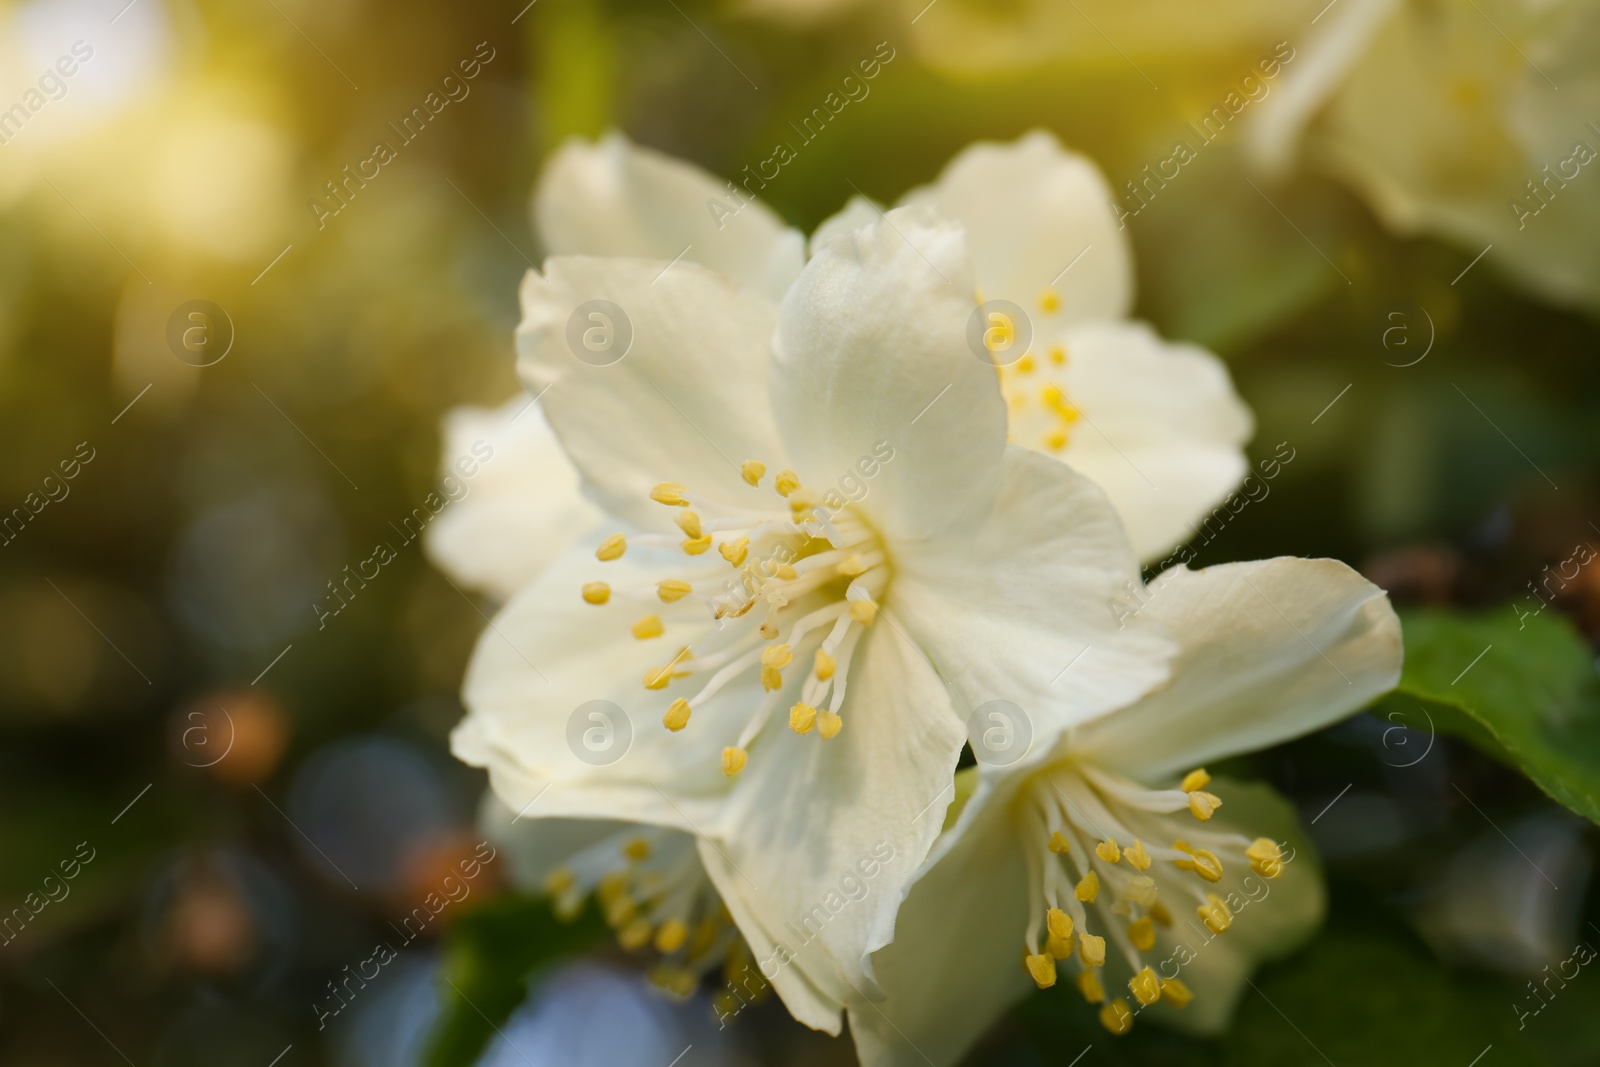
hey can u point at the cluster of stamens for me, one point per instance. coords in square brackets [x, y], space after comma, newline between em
[797, 584]
[1092, 827]
[1043, 414]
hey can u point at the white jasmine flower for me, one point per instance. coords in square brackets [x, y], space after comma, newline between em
[1157, 425]
[1103, 865]
[841, 559]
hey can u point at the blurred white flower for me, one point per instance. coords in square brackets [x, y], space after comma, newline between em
[1098, 857]
[1156, 425]
[991, 569]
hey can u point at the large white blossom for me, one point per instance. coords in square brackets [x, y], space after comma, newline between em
[826, 555]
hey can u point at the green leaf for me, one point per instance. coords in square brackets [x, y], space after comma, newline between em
[1525, 688]
[490, 955]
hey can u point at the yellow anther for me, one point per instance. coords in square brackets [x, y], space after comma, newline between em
[1058, 844]
[559, 881]
[635, 935]
[752, 470]
[637, 850]
[1207, 866]
[1136, 856]
[1042, 968]
[1058, 354]
[671, 936]
[1091, 949]
[733, 760]
[695, 546]
[1195, 779]
[851, 567]
[671, 589]
[596, 592]
[1141, 889]
[620, 912]
[823, 666]
[769, 632]
[802, 717]
[1117, 1017]
[670, 494]
[777, 656]
[863, 611]
[1142, 934]
[1176, 993]
[1060, 948]
[1025, 365]
[771, 679]
[1215, 914]
[1049, 301]
[689, 523]
[1108, 851]
[828, 723]
[787, 573]
[1055, 440]
[677, 716]
[1089, 985]
[611, 548]
[787, 482]
[735, 551]
[1088, 888]
[658, 677]
[1266, 859]
[648, 627]
[1145, 987]
[1203, 805]
[612, 887]
[1159, 912]
[1059, 923]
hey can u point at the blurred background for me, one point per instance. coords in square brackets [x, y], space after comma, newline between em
[223, 369]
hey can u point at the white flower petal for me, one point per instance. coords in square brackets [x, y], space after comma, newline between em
[612, 198]
[1029, 209]
[1161, 429]
[687, 403]
[534, 848]
[522, 505]
[871, 347]
[1271, 650]
[819, 850]
[857, 214]
[1020, 608]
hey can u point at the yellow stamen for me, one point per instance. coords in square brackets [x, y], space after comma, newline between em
[689, 523]
[671, 936]
[1203, 805]
[769, 632]
[1092, 949]
[611, 548]
[1136, 856]
[771, 679]
[787, 482]
[620, 912]
[1089, 985]
[560, 880]
[648, 627]
[677, 716]
[1141, 889]
[1060, 948]
[752, 471]
[1049, 301]
[851, 567]
[1117, 1017]
[1159, 912]
[596, 592]
[776, 656]
[1215, 914]
[1043, 969]
[1195, 779]
[695, 546]
[1059, 923]
[671, 589]
[1108, 851]
[1176, 992]
[670, 494]
[1266, 859]
[612, 887]
[823, 666]
[863, 611]
[1142, 934]
[1058, 844]
[828, 724]
[1058, 355]
[1145, 987]
[1088, 888]
[635, 935]
[733, 760]
[735, 551]
[1025, 365]
[637, 850]
[802, 717]
[1055, 440]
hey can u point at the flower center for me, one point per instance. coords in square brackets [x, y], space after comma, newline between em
[798, 582]
[1095, 878]
[653, 891]
[1039, 413]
